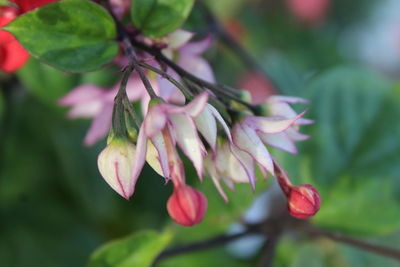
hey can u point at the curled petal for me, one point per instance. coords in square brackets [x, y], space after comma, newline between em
[221, 120]
[159, 144]
[247, 164]
[205, 123]
[246, 139]
[192, 109]
[295, 135]
[155, 120]
[140, 158]
[287, 99]
[197, 66]
[280, 141]
[188, 140]
[270, 124]
[212, 172]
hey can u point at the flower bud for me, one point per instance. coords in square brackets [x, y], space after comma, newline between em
[187, 206]
[115, 164]
[304, 201]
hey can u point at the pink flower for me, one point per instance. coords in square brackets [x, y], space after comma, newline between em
[91, 101]
[187, 206]
[230, 165]
[252, 133]
[309, 11]
[165, 125]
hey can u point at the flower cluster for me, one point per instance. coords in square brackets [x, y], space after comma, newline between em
[12, 55]
[226, 144]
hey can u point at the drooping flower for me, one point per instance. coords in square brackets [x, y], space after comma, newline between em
[165, 125]
[252, 133]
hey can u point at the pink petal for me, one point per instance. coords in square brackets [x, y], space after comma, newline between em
[154, 120]
[270, 124]
[288, 99]
[140, 158]
[280, 141]
[159, 144]
[81, 94]
[212, 172]
[100, 125]
[89, 109]
[193, 108]
[188, 140]
[197, 66]
[135, 88]
[168, 91]
[197, 48]
[246, 139]
[295, 135]
[246, 162]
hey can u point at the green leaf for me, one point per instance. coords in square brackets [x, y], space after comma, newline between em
[72, 35]
[352, 157]
[46, 83]
[156, 18]
[139, 249]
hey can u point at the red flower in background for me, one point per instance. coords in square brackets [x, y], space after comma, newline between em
[12, 55]
[309, 11]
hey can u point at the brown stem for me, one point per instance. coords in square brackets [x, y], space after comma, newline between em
[345, 239]
[208, 243]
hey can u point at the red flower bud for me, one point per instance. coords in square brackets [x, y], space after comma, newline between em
[304, 201]
[28, 5]
[187, 206]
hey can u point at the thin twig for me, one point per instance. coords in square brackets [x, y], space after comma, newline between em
[345, 239]
[208, 243]
[216, 88]
[171, 79]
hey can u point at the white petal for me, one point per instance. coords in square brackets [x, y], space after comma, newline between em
[205, 123]
[178, 38]
[221, 120]
[140, 158]
[157, 155]
[270, 124]
[245, 161]
[246, 139]
[279, 140]
[188, 140]
[212, 172]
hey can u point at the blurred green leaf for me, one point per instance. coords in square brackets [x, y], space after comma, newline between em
[156, 18]
[347, 105]
[72, 35]
[353, 154]
[139, 249]
[46, 83]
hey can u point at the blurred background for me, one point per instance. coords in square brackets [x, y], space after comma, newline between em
[55, 209]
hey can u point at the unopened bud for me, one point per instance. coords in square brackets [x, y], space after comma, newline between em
[115, 164]
[303, 201]
[187, 206]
